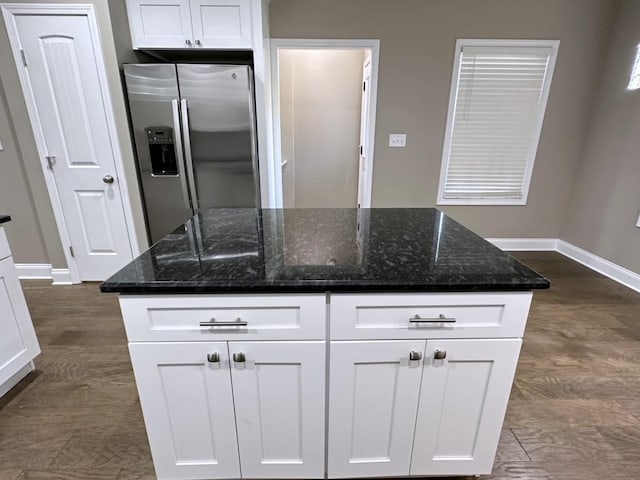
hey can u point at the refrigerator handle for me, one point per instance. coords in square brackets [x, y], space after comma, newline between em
[178, 148]
[187, 152]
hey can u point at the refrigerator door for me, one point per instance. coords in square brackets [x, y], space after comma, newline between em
[154, 103]
[219, 133]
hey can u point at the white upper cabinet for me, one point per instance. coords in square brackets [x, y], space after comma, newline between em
[190, 24]
[221, 24]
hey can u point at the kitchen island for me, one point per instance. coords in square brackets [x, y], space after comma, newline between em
[319, 343]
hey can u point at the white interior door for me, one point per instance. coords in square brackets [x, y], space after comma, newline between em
[279, 392]
[363, 168]
[373, 399]
[64, 83]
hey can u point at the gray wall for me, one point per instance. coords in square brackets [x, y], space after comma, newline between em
[25, 154]
[605, 201]
[320, 103]
[417, 39]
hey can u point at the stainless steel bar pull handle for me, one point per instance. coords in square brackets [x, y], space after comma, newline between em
[239, 357]
[440, 354]
[184, 113]
[441, 319]
[213, 323]
[213, 357]
[175, 111]
[415, 356]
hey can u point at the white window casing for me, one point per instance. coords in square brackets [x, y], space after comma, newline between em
[499, 92]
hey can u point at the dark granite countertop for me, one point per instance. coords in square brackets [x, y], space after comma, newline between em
[4, 219]
[316, 250]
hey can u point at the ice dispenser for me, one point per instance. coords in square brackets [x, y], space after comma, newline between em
[162, 151]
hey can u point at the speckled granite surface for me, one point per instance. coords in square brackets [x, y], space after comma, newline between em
[315, 250]
[4, 219]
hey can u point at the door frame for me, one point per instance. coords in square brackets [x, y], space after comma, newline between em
[9, 12]
[304, 44]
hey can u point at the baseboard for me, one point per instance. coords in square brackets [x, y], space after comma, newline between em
[525, 244]
[601, 265]
[61, 276]
[33, 271]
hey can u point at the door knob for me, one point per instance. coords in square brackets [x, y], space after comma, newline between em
[440, 354]
[413, 355]
[108, 179]
[239, 357]
[213, 357]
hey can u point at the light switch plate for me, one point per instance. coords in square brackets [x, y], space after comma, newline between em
[398, 140]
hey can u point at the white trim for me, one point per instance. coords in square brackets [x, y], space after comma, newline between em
[291, 43]
[525, 244]
[598, 264]
[33, 271]
[453, 95]
[9, 11]
[601, 265]
[61, 276]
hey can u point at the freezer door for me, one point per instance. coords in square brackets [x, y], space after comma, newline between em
[154, 103]
[219, 134]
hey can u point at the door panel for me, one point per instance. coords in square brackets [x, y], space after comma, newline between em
[18, 342]
[218, 107]
[279, 400]
[222, 23]
[160, 23]
[462, 405]
[373, 401]
[63, 76]
[188, 408]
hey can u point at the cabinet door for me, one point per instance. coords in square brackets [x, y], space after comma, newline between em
[188, 409]
[373, 399]
[160, 23]
[463, 400]
[279, 394]
[221, 23]
[18, 342]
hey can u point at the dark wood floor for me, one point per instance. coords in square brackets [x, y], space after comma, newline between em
[574, 411]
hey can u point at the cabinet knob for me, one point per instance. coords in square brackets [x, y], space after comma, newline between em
[239, 357]
[188, 42]
[413, 355]
[198, 42]
[213, 357]
[440, 354]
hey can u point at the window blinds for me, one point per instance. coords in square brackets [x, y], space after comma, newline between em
[499, 105]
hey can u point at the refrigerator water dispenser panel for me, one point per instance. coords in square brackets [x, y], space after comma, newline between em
[162, 151]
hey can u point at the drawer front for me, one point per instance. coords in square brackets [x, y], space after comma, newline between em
[405, 316]
[5, 251]
[225, 317]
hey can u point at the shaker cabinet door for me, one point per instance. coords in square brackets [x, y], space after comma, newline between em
[373, 399]
[464, 394]
[18, 342]
[160, 23]
[185, 392]
[279, 394]
[221, 23]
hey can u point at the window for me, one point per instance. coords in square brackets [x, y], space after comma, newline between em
[498, 96]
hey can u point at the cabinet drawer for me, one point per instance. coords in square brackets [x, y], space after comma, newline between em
[404, 316]
[5, 251]
[258, 317]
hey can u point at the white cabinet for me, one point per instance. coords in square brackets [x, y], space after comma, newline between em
[279, 394]
[190, 23]
[18, 342]
[463, 399]
[374, 389]
[188, 408]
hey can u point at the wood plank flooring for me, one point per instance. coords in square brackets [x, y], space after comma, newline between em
[574, 411]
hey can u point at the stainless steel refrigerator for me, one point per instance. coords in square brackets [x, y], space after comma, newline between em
[194, 130]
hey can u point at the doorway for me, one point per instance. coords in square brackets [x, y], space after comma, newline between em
[324, 95]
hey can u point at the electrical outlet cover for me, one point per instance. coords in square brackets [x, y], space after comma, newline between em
[398, 140]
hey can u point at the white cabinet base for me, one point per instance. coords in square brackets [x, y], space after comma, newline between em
[15, 379]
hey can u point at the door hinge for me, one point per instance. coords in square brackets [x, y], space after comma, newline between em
[364, 86]
[24, 57]
[361, 150]
[71, 251]
[50, 161]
